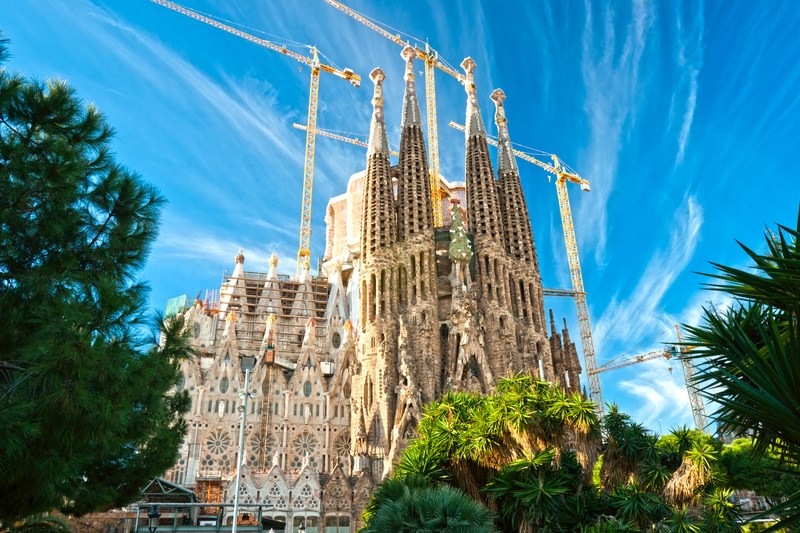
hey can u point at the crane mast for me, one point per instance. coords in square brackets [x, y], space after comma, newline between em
[313, 62]
[431, 59]
[695, 399]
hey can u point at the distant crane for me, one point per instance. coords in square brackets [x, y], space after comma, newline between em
[563, 176]
[432, 59]
[689, 371]
[330, 134]
[316, 66]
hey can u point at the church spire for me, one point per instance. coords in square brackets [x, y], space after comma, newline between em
[414, 210]
[411, 115]
[378, 223]
[513, 207]
[474, 121]
[505, 155]
[483, 204]
[378, 144]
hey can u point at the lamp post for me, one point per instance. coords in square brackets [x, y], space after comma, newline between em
[247, 363]
[153, 517]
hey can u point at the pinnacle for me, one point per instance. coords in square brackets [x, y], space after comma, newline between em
[474, 121]
[411, 114]
[378, 143]
[505, 154]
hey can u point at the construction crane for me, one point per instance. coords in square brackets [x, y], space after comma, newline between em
[316, 67]
[563, 176]
[695, 399]
[649, 356]
[432, 59]
[689, 372]
[330, 134]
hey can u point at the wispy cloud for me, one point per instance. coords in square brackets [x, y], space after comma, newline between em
[626, 320]
[188, 242]
[661, 392]
[611, 77]
[690, 61]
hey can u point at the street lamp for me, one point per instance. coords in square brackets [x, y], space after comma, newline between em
[153, 519]
[247, 363]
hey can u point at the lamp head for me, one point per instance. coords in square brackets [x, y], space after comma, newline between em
[247, 362]
[153, 517]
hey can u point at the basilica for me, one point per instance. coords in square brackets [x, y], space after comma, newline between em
[402, 312]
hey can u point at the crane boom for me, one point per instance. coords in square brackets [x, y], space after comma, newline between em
[346, 74]
[574, 178]
[613, 365]
[432, 61]
[308, 167]
[587, 342]
[326, 133]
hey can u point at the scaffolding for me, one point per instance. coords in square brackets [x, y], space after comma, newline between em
[290, 318]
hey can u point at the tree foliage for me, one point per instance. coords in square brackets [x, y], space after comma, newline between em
[88, 416]
[527, 452]
[749, 356]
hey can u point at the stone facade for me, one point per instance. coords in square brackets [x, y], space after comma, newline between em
[403, 313]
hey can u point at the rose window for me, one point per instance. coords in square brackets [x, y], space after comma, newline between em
[255, 446]
[306, 492]
[304, 444]
[274, 491]
[218, 442]
[342, 446]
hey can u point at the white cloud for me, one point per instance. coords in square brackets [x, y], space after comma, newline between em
[627, 320]
[690, 60]
[613, 90]
[662, 394]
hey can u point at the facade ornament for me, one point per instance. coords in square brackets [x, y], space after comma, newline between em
[240, 257]
[378, 143]
[273, 260]
[474, 121]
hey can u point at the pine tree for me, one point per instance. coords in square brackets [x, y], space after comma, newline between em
[88, 412]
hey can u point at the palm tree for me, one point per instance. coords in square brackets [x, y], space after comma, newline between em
[749, 356]
[440, 508]
[37, 524]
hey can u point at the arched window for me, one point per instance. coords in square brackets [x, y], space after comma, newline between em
[223, 385]
[307, 389]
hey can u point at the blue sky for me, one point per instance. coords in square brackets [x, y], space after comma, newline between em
[682, 115]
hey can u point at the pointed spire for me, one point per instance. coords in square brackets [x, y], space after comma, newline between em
[411, 114]
[505, 154]
[474, 121]
[552, 323]
[378, 144]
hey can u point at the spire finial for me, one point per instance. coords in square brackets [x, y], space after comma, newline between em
[240, 257]
[273, 260]
[474, 121]
[505, 153]
[378, 144]
[411, 114]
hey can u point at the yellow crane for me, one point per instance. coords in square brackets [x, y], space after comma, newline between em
[695, 399]
[316, 67]
[432, 61]
[562, 177]
[689, 372]
[332, 135]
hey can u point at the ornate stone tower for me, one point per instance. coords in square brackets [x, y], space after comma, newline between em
[485, 224]
[376, 374]
[525, 282]
[416, 259]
